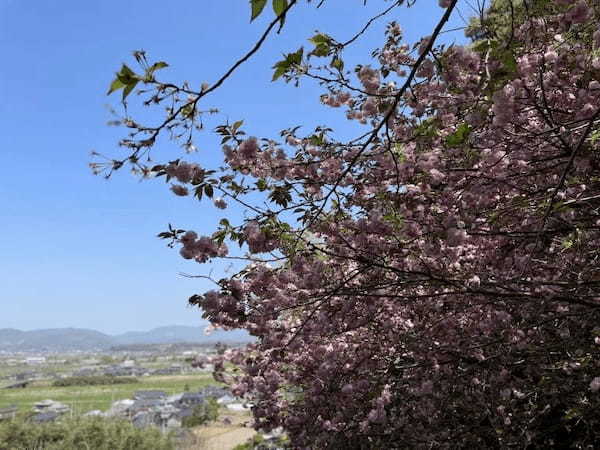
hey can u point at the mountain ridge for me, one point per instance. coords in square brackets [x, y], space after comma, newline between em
[84, 339]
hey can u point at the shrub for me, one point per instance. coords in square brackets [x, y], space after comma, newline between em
[93, 380]
[206, 412]
[82, 433]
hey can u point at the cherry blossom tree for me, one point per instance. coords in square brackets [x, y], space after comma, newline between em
[433, 282]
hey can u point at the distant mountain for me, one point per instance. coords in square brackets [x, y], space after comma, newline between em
[179, 333]
[73, 339]
[57, 339]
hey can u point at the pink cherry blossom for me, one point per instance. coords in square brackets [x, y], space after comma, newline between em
[432, 281]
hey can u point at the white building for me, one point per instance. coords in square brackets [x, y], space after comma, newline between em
[33, 360]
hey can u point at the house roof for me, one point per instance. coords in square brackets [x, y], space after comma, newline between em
[45, 417]
[44, 403]
[191, 398]
[184, 412]
[146, 395]
[145, 403]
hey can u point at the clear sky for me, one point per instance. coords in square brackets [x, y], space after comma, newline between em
[76, 250]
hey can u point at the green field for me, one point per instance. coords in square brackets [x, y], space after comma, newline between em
[87, 398]
[69, 366]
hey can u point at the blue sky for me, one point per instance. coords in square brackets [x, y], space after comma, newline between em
[77, 250]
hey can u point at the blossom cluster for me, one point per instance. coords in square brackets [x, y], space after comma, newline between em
[200, 249]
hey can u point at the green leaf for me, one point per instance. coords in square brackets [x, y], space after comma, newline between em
[483, 45]
[509, 62]
[279, 6]
[317, 139]
[296, 57]
[187, 111]
[460, 136]
[219, 236]
[115, 86]
[279, 71]
[567, 244]
[337, 63]
[320, 38]
[257, 8]
[129, 88]
[398, 151]
[427, 128]
[322, 43]
[291, 59]
[237, 124]
[594, 136]
[208, 190]
[126, 79]
[281, 196]
[126, 75]
[261, 184]
[321, 50]
[158, 65]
